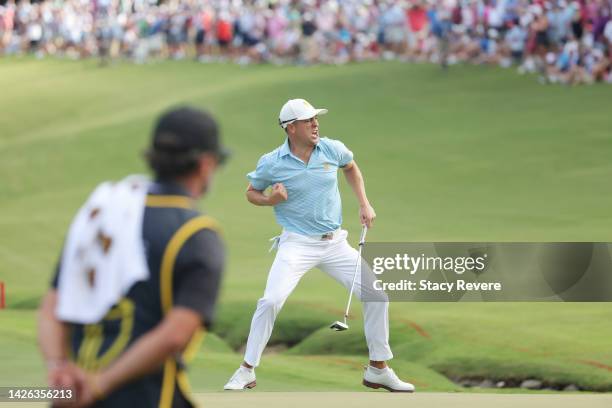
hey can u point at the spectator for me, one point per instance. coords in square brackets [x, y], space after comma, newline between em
[316, 31]
[515, 40]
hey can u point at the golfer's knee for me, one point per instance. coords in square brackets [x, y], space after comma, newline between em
[270, 303]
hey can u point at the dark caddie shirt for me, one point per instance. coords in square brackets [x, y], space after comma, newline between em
[186, 257]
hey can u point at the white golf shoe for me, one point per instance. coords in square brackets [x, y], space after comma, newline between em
[385, 378]
[242, 379]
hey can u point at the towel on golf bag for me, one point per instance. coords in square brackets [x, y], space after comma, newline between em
[104, 254]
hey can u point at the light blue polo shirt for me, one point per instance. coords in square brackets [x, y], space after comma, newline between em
[313, 203]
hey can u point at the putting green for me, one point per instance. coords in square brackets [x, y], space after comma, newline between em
[389, 400]
[385, 399]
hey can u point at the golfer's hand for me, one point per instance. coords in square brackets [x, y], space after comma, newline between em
[367, 215]
[278, 194]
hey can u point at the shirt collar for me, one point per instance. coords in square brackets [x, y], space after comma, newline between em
[162, 187]
[286, 150]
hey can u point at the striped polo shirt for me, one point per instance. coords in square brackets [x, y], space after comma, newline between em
[313, 205]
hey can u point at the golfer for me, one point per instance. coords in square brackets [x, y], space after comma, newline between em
[303, 175]
[138, 277]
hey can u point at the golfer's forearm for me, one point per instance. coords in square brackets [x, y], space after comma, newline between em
[150, 351]
[355, 180]
[52, 334]
[257, 197]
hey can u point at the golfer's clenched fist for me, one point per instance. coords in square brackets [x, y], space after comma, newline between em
[278, 194]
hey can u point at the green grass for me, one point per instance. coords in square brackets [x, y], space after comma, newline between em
[475, 154]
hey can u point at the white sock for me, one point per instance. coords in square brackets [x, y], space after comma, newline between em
[246, 368]
[378, 370]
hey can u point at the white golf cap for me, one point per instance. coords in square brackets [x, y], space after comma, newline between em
[297, 109]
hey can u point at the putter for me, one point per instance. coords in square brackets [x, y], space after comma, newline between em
[338, 325]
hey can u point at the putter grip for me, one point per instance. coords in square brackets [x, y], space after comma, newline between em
[364, 231]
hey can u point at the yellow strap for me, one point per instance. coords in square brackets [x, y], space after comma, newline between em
[173, 248]
[124, 311]
[171, 201]
[167, 391]
[194, 345]
[90, 346]
[189, 354]
[89, 351]
[184, 385]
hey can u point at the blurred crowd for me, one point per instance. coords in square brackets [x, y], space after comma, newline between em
[562, 41]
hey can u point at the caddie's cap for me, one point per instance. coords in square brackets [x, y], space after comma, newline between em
[188, 130]
[297, 109]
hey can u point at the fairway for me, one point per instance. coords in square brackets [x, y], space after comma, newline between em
[473, 154]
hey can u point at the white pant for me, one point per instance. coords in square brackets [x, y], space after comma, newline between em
[296, 255]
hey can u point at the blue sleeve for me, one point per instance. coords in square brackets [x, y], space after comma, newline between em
[260, 178]
[343, 155]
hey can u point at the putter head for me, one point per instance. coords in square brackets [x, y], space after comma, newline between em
[339, 326]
